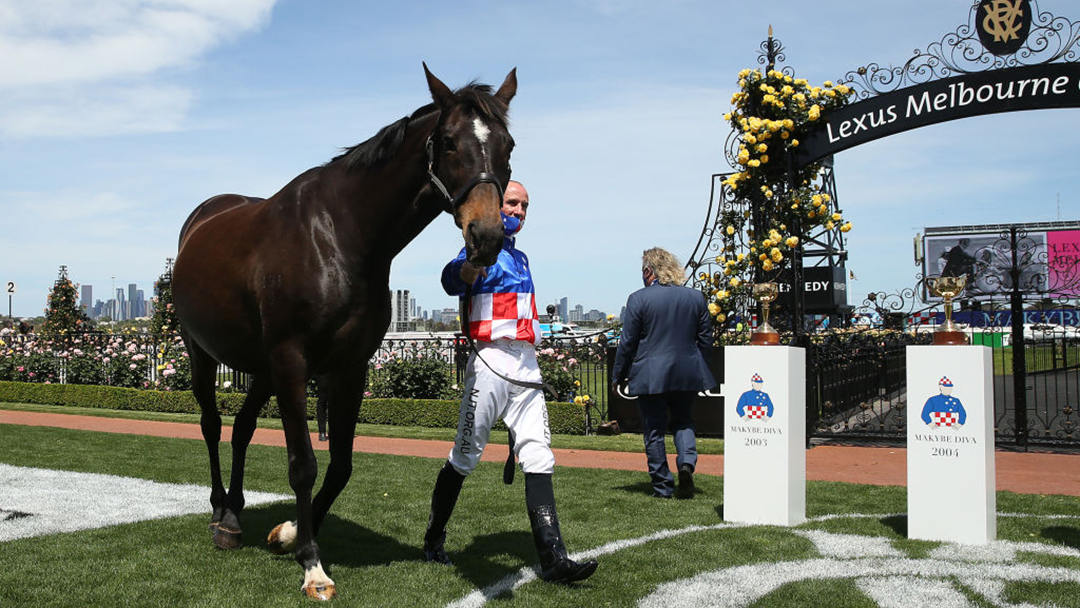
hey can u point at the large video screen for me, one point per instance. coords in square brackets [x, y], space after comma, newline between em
[1048, 261]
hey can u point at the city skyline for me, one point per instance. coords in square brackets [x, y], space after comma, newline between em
[127, 303]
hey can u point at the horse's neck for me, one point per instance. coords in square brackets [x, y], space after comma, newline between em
[390, 205]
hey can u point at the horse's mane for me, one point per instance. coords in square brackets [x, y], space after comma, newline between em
[383, 144]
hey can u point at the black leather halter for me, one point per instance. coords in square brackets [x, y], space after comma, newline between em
[451, 203]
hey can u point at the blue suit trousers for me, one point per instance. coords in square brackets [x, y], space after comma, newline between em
[657, 412]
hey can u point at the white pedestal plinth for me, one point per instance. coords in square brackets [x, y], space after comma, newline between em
[765, 435]
[950, 444]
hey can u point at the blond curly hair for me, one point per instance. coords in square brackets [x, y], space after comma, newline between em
[664, 266]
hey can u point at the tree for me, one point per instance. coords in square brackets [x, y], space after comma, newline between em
[64, 315]
[164, 321]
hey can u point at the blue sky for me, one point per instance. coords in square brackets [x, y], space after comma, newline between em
[117, 117]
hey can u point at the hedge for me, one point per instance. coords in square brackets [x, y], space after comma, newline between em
[563, 418]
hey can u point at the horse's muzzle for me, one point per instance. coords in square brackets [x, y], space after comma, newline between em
[483, 243]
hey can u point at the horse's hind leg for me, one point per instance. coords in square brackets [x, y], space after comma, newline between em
[346, 393]
[228, 532]
[203, 377]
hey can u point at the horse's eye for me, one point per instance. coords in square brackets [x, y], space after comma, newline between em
[449, 145]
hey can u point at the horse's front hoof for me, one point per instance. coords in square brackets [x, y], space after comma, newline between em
[227, 539]
[282, 538]
[323, 593]
[317, 585]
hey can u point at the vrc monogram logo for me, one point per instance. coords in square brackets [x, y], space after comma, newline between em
[1003, 25]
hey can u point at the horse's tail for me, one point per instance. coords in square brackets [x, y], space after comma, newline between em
[211, 207]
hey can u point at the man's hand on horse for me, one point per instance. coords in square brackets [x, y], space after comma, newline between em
[470, 272]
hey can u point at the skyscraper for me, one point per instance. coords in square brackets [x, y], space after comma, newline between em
[564, 309]
[132, 310]
[86, 301]
[119, 306]
[399, 310]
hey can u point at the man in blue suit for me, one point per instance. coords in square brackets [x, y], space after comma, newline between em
[666, 338]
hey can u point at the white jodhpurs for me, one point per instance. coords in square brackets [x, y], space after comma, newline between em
[488, 397]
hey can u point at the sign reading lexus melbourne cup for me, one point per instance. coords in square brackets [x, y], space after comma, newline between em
[1023, 88]
[1003, 28]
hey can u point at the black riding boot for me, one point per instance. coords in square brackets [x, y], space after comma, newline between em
[555, 566]
[443, 499]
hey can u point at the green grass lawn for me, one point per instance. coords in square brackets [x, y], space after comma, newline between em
[372, 537]
[1036, 358]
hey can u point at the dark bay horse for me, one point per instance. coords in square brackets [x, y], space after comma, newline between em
[298, 285]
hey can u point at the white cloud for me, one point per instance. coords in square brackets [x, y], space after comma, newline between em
[83, 67]
[74, 111]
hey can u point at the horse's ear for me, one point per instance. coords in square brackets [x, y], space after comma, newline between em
[508, 89]
[441, 93]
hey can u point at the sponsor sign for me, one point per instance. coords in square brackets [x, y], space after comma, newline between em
[1009, 90]
[824, 289]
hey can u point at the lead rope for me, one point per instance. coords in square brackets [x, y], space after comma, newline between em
[509, 467]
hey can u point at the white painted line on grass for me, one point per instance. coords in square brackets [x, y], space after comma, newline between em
[36, 502]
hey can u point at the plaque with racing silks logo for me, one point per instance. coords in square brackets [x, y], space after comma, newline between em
[950, 444]
[765, 435]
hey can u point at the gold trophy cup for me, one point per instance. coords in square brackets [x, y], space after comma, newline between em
[948, 288]
[765, 293]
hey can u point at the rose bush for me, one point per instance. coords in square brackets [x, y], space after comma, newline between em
[772, 112]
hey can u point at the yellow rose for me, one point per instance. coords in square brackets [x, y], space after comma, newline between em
[767, 265]
[768, 194]
[836, 217]
[730, 229]
[714, 308]
[734, 282]
[830, 225]
[721, 317]
[792, 241]
[846, 227]
[722, 294]
[794, 143]
[762, 148]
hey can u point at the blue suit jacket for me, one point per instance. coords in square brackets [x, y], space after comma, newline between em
[666, 338]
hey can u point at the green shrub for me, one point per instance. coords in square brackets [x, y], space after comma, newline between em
[36, 366]
[563, 418]
[417, 377]
[174, 372]
[85, 369]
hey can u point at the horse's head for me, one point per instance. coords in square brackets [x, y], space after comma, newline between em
[470, 160]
